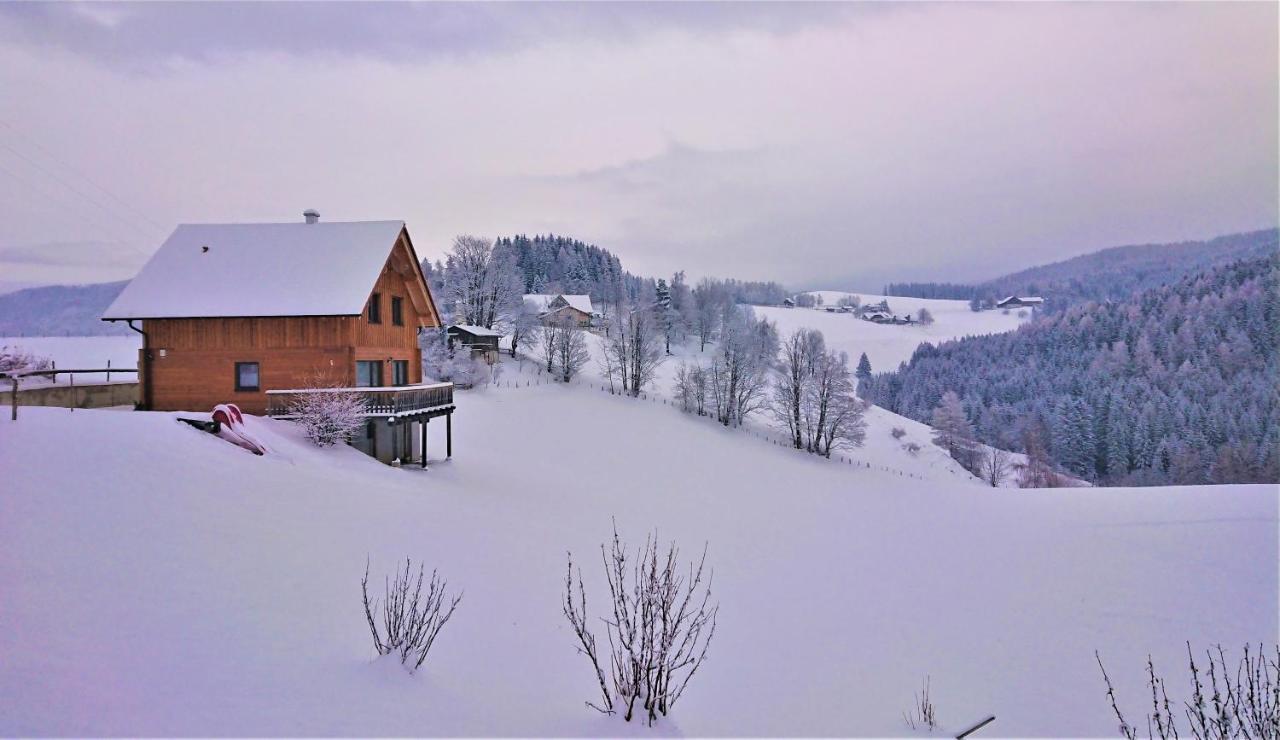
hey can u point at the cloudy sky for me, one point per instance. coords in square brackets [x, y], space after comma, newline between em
[820, 145]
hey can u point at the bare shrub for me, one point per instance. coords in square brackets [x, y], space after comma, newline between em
[922, 715]
[411, 620]
[327, 415]
[912, 448]
[1247, 708]
[17, 360]
[659, 627]
[898, 432]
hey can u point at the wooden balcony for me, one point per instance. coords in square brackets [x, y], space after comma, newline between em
[431, 399]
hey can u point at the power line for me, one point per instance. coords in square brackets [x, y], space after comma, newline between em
[82, 176]
[96, 221]
[58, 178]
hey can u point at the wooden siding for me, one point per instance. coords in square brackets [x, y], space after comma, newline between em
[192, 361]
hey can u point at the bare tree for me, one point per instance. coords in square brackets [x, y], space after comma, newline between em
[832, 413]
[996, 464]
[482, 284]
[410, 619]
[691, 387]
[568, 345]
[522, 326]
[953, 432]
[660, 625]
[709, 301]
[1038, 471]
[794, 377]
[633, 349]
[328, 416]
[739, 371]
[924, 317]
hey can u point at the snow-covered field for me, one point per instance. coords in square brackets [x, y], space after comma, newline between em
[159, 581]
[887, 345]
[82, 353]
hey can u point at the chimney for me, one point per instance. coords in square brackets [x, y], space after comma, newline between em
[311, 215]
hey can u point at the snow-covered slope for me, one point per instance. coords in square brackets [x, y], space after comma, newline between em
[156, 580]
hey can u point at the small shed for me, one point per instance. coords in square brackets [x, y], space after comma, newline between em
[482, 342]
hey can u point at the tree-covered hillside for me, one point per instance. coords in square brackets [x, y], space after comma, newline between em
[1120, 273]
[1177, 385]
[559, 264]
[1112, 274]
[59, 310]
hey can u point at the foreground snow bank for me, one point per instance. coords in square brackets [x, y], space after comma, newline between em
[157, 580]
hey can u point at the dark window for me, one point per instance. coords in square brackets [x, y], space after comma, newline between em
[375, 308]
[247, 376]
[369, 373]
[399, 372]
[397, 310]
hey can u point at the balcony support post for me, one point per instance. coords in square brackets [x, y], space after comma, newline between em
[448, 435]
[423, 424]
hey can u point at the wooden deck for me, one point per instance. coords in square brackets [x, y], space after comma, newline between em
[424, 400]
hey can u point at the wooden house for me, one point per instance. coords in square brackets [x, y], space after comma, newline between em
[555, 308]
[482, 342]
[254, 314]
[1014, 301]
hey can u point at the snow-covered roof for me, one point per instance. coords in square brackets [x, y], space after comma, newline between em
[282, 269]
[542, 301]
[580, 302]
[1024, 299]
[478, 331]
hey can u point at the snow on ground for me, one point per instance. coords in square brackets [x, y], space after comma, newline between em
[159, 581]
[887, 345]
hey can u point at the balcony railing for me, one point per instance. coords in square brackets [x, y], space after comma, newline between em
[382, 401]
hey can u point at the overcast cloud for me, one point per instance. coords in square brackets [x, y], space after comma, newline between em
[821, 145]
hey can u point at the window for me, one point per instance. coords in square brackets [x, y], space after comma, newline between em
[399, 372]
[247, 376]
[368, 373]
[375, 308]
[397, 310]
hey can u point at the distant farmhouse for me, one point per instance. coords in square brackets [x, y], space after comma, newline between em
[482, 342]
[1014, 301]
[557, 307]
[255, 314]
